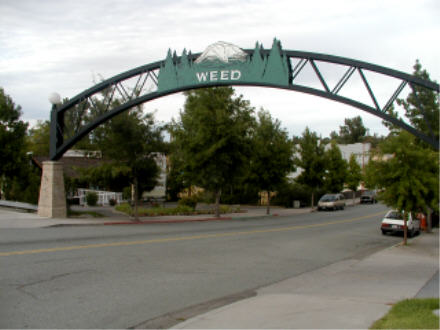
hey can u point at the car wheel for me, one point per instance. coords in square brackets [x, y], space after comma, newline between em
[384, 232]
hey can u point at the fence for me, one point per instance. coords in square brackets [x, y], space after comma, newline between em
[104, 197]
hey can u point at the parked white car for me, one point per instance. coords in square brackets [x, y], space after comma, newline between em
[393, 223]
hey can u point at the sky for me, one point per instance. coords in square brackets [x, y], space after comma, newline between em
[64, 46]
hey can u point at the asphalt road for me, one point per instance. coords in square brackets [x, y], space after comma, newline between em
[131, 276]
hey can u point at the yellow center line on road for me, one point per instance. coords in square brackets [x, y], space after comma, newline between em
[184, 238]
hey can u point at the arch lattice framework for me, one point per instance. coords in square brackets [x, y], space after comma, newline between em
[95, 105]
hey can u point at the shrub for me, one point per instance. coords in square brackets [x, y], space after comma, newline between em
[179, 210]
[126, 193]
[91, 198]
[188, 201]
[112, 201]
[183, 210]
[124, 207]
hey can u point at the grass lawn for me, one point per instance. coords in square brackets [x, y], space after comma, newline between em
[411, 314]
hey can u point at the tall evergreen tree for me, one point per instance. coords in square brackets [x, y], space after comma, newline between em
[422, 105]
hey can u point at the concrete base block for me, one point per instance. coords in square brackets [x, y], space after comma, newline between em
[52, 201]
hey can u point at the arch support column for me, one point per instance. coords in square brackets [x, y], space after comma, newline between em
[52, 200]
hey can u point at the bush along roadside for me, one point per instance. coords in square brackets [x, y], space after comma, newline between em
[179, 210]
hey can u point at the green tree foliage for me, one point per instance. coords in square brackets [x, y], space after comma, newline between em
[12, 136]
[354, 174]
[13, 159]
[408, 173]
[272, 156]
[335, 169]
[131, 143]
[38, 138]
[91, 198]
[109, 175]
[312, 161]
[24, 186]
[353, 131]
[394, 129]
[175, 178]
[86, 112]
[212, 137]
[423, 102]
[291, 191]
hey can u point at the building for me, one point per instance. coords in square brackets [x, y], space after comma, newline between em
[360, 150]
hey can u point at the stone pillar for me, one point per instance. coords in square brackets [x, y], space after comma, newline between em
[52, 201]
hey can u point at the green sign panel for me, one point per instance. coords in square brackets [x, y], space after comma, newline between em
[226, 64]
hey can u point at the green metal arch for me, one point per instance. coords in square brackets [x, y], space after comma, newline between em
[58, 146]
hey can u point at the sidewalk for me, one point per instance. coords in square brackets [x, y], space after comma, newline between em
[348, 294]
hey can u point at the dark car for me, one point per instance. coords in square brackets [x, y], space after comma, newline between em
[368, 196]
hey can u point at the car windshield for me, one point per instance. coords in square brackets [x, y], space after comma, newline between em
[394, 215]
[367, 193]
[328, 198]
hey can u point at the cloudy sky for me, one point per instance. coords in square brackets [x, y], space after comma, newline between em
[62, 46]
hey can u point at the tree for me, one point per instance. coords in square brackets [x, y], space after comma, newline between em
[38, 138]
[422, 101]
[128, 143]
[312, 161]
[409, 176]
[272, 156]
[354, 175]
[108, 176]
[213, 138]
[335, 169]
[353, 131]
[12, 141]
[133, 139]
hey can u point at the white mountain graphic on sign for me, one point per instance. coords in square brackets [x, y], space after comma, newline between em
[222, 51]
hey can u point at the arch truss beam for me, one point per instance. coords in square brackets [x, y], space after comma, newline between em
[322, 75]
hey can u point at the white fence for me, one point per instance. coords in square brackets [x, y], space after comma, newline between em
[104, 197]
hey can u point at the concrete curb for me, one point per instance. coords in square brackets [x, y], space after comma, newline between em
[10, 218]
[146, 222]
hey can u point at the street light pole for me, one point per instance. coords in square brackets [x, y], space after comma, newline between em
[52, 200]
[56, 129]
